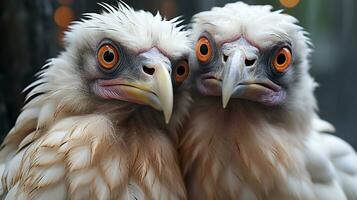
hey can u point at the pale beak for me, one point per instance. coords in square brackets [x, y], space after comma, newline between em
[162, 88]
[231, 75]
[154, 89]
[239, 82]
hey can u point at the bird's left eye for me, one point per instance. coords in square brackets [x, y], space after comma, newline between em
[181, 71]
[108, 56]
[282, 60]
[203, 50]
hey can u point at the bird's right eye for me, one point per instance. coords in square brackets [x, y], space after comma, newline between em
[282, 60]
[203, 50]
[108, 56]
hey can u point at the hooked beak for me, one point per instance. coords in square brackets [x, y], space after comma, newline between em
[162, 87]
[231, 76]
[240, 82]
[153, 89]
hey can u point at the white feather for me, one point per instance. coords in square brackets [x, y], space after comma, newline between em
[46, 114]
[137, 30]
[56, 192]
[79, 157]
[49, 175]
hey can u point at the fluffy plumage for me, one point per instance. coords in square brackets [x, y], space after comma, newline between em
[268, 142]
[76, 138]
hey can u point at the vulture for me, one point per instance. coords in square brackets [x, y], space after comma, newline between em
[96, 124]
[253, 132]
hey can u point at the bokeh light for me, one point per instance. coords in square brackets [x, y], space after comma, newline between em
[168, 8]
[289, 3]
[63, 16]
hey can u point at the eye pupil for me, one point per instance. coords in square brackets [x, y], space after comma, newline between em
[281, 59]
[204, 49]
[108, 56]
[180, 70]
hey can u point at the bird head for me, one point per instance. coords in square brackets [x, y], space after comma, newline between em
[122, 56]
[251, 53]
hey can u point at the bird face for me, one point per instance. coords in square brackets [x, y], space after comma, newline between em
[123, 55]
[238, 58]
[142, 79]
[243, 70]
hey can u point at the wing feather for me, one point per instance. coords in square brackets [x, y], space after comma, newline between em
[344, 159]
[64, 157]
[332, 164]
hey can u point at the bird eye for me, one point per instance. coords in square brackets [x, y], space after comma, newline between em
[203, 50]
[108, 56]
[181, 71]
[282, 60]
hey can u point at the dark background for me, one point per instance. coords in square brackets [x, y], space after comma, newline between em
[31, 32]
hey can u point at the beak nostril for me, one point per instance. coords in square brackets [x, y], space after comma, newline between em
[249, 62]
[225, 58]
[148, 70]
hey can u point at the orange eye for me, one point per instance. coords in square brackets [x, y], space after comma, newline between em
[282, 60]
[203, 50]
[108, 56]
[181, 71]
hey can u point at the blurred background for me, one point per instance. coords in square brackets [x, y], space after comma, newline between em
[32, 31]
